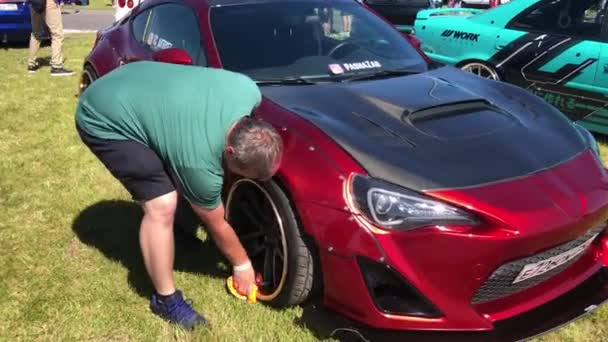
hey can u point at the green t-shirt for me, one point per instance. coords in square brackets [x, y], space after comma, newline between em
[181, 112]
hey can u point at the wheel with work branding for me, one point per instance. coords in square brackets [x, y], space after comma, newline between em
[481, 69]
[266, 224]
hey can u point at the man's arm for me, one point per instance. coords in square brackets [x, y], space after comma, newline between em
[223, 234]
[202, 190]
[228, 242]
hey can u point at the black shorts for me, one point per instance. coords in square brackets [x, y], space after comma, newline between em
[135, 165]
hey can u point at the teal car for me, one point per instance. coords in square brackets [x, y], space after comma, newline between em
[557, 49]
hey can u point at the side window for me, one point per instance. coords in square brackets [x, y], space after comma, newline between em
[170, 26]
[582, 19]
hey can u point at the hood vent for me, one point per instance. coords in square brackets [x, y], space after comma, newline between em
[461, 120]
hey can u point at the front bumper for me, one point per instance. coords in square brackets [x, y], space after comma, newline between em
[582, 300]
[442, 268]
[15, 35]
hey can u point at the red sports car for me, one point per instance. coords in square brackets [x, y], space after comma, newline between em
[414, 196]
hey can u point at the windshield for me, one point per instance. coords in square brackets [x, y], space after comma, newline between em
[308, 39]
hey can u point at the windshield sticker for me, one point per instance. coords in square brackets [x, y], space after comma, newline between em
[362, 65]
[157, 43]
[461, 35]
[163, 44]
[336, 69]
[152, 38]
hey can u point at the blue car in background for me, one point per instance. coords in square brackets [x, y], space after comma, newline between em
[15, 23]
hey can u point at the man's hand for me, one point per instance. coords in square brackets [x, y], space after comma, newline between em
[243, 279]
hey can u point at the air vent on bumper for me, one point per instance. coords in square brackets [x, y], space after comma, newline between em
[392, 294]
[502, 283]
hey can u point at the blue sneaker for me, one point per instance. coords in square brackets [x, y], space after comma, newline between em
[177, 310]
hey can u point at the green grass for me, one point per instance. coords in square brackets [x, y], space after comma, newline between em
[70, 264]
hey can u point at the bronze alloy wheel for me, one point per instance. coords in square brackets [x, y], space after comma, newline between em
[263, 219]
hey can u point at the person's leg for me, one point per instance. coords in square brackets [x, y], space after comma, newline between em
[37, 21]
[75, 7]
[324, 16]
[156, 241]
[349, 22]
[143, 174]
[55, 24]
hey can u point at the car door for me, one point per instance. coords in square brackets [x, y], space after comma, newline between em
[168, 25]
[553, 48]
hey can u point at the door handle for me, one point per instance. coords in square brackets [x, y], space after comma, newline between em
[500, 46]
[605, 68]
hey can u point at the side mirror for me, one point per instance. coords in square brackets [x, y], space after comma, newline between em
[173, 56]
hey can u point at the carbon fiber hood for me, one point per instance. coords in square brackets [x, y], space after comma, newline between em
[437, 130]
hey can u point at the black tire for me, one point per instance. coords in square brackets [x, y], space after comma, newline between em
[88, 77]
[296, 281]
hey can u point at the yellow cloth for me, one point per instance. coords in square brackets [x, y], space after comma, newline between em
[251, 298]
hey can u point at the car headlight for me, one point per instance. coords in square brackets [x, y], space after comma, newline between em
[589, 139]
[395, 208]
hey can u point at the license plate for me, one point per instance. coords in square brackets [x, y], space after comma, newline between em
[8, 7]
[538, 268]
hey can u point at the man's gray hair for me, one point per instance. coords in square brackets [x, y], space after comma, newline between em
[258, 146]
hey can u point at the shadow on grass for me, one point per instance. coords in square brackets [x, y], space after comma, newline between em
[325, 325]
[113, 228]
[44, 61]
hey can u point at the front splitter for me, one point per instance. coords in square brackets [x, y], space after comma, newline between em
[573, 305]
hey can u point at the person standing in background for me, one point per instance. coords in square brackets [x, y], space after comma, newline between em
[454, 3]
[47, 12]
[347, 22]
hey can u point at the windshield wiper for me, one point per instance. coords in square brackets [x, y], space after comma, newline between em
[379, 74]
[285, 81]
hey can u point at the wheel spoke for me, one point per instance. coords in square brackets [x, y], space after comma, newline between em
[257, 250]
[268, 271]
[481, 70]
[279, 253]
[253, 218]
[252, 236]
[274, 267]
[253, 201]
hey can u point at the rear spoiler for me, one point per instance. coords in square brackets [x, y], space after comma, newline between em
[440, 12]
